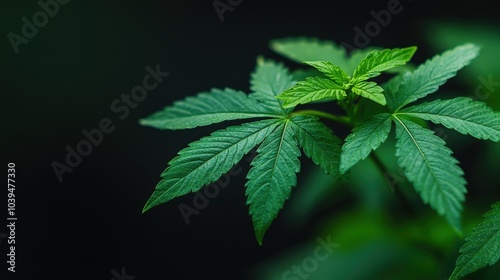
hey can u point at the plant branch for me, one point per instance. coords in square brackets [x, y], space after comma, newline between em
[394, 187]
[340, 119]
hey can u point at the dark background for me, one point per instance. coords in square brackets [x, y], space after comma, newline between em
[66, 77]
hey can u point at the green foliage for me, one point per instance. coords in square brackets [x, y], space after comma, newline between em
[428, 77]
[312, 89]
[340, 84]
[272, 176]
[267, 81]
[205, 160]
[281, 131]
[461, 114]
[335, 73]
[205, 109]
[302, 49]
[428, 164]
[318, 142]
[369, 90]
[378, 61]
[482, 246]
[273, 170]
[364, 138]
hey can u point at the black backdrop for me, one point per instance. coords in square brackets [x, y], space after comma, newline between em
[64, 80]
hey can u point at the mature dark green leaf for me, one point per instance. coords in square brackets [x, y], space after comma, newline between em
[364, 138]
[462, 114]
[482, 246]
[428, 164]
[267, 81]
[205, 160]
[272, 176]
[428, 77]
[391, 86]
[318, 143]
[207, 108]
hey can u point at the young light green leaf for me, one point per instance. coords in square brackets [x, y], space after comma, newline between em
[356, 56]
[267, 81]
[301, 49]
[371, 91]
[379, 61]
[318, 143]
[482, 246]
[312, 89]
[206, 108]
[364, 138]
[272, 176]
[428, 77]
[335, 73]
[462, 114]
[205, 160]
[428, 164]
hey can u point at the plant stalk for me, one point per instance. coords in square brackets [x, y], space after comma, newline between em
[340, 119]
[395, 188]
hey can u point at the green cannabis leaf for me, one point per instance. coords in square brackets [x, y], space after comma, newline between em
[272, 176]
[371, 109]
[425, 160]
[482, 246]
[428, 164]
[279, 136]
[462, 114]
[339, 84]
[312, 89]
[205, 160]
[318, 142]
[378, 61]
[428, 77]
[205, 109]
[369, 90]
[267, 81]
[333, 72]
[364, 138]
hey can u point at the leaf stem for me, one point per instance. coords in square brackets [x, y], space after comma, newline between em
[340, 119]
[394, 187]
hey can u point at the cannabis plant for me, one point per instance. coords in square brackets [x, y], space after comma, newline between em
[283, 123]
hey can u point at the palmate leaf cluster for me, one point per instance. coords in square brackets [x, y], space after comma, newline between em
[283, 133]
[278, 134]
